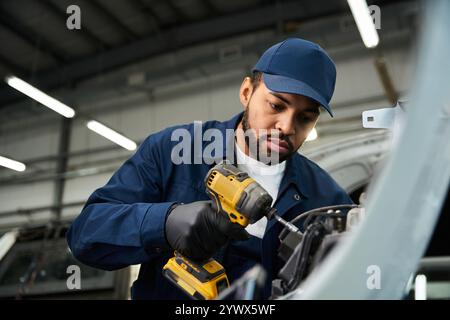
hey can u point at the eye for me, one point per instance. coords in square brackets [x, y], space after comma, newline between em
[303, 119]
[275, 106]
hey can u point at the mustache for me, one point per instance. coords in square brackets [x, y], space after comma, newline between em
[279, 137]
[246, 127]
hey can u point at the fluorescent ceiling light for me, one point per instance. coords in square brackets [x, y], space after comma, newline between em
[12, 164]
[40, 96]
[364, 22]
[7, 241]
[111, 135]
[420, 287]
[312, 135]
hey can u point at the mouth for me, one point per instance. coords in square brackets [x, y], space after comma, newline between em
[278, 146]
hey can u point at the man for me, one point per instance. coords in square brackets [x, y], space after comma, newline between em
[153, 206]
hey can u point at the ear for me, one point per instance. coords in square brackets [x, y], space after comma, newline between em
[245, 92]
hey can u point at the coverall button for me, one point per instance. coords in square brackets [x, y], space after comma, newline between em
[297, 196]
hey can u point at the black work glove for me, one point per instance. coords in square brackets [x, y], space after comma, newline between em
[197, 231]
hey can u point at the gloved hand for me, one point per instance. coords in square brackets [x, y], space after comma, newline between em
[197, 231]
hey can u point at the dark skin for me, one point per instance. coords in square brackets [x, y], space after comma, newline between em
[288, 119]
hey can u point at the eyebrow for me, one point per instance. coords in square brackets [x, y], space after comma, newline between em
[279, 96]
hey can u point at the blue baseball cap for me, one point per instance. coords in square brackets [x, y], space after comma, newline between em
[300, 67]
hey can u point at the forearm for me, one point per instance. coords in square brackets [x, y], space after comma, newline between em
[112, 236]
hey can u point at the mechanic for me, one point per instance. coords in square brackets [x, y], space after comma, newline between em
[152, 206]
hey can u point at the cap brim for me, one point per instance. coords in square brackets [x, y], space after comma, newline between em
[288, 85]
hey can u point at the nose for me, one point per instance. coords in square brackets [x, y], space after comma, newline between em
[286, 124]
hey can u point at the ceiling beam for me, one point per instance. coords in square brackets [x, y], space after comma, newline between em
[148, 10]
[12, 67]
[31, 37]
[179, 14]
[212, 10]
[125, 30]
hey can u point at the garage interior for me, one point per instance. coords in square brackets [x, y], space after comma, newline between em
[140, 66]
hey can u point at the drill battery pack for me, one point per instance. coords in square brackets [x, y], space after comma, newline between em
[202, 281]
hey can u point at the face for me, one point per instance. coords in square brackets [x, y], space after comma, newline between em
[280, 121]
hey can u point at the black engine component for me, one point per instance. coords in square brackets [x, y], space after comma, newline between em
[323, 228]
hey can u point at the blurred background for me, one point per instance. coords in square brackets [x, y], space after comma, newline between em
[138, 66]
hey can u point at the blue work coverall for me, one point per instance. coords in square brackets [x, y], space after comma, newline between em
[123, 222]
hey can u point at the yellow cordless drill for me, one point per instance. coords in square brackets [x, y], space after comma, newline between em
[244, 201]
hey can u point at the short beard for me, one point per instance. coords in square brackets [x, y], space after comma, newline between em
[246, 126]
